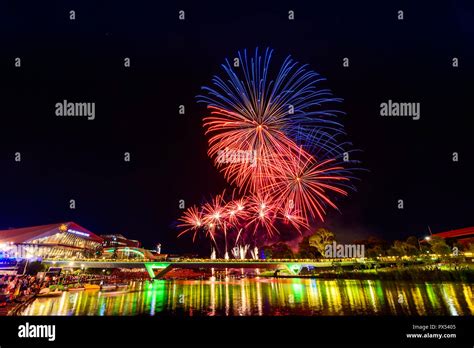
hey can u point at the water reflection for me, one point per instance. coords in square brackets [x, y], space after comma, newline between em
[258, 297]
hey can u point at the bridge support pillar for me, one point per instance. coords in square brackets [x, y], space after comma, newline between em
[151, 266]
[294, 268]
[163, 272]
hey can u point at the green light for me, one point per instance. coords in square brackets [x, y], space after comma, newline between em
[127, 249]
[294, 268]
[151, 266]
[297, 287]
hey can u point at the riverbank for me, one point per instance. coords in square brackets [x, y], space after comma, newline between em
[465, 275]
[12, 308]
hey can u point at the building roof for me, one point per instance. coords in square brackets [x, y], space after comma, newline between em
[462, 232]
[26, 234]
[117, 235]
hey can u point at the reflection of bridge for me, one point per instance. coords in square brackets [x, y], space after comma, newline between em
[162, 267]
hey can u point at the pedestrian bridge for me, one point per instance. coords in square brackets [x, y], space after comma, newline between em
[157, 269]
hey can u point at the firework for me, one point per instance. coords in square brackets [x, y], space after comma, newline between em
[214, 215]
[304, 185]
[251, 112]
[278, 141]
[262, 215]
[236, 211]
[192, 220]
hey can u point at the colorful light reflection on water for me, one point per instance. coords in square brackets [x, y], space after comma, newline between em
[275, 297]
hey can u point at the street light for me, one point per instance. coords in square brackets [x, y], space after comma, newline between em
[427, 238]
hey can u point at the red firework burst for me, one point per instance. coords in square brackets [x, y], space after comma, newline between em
[192, 220]
[262, 214]
[303, 185]
[246, 147]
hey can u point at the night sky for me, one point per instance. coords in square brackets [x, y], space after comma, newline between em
[137, 108]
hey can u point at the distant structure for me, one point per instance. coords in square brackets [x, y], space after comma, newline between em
[116, 246]
[463, 236]
[67, 241]
[59, 240]
[118, 240]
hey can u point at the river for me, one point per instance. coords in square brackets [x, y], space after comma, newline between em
[265, 297]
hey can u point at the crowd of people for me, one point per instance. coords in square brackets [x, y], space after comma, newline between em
[14, 288]
[17, 288]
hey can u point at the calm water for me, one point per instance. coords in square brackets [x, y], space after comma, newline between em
[266, 297]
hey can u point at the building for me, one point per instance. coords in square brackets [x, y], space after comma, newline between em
[60, 240]
[463, 236]
[119, 241]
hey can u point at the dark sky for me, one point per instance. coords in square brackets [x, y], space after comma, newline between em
[137, 108]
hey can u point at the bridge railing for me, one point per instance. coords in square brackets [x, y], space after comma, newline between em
[196, 260]
[77, 260]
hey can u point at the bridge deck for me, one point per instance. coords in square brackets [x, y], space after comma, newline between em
[293, 266]
[199, 264]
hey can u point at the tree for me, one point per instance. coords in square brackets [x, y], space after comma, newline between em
[396, 249]
[412, 240]
[278, 250]
[375, 246]
[438, 246]
[405, 248]
[306, 251]
[320, 239]
[375, 251]
[413, 246]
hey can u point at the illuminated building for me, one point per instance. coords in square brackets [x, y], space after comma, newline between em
[60, 240]
[118, 240]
